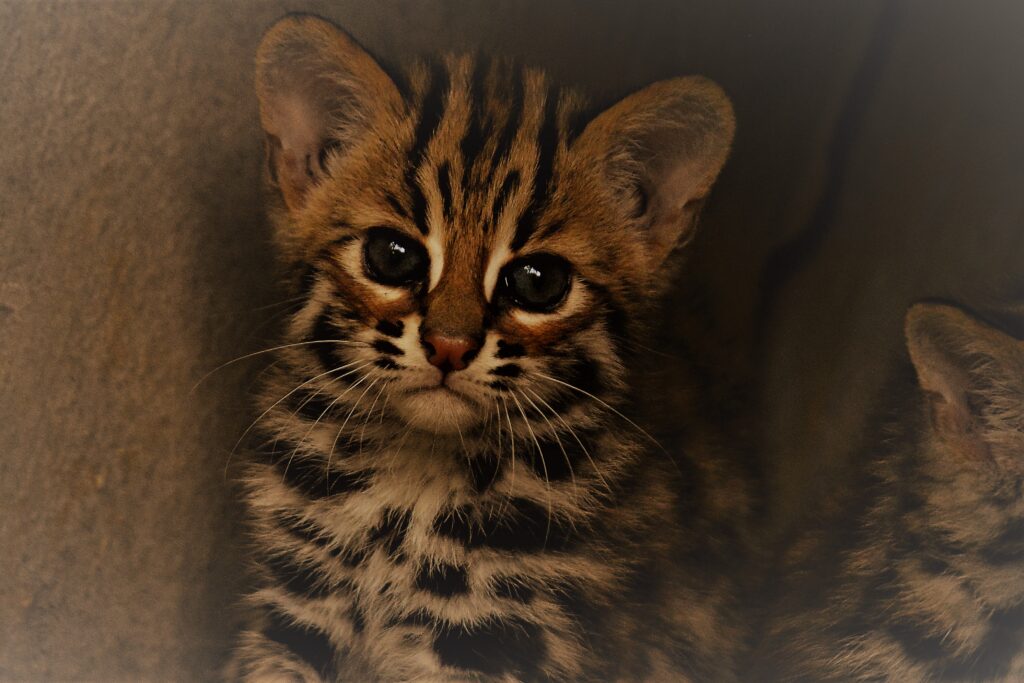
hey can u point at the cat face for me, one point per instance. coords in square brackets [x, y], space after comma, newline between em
[466, 247]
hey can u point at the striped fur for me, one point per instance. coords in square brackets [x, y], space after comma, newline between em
[920, 575]
[515, 525]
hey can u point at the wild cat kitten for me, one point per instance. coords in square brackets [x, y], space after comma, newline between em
[448, 487]
[920, 575]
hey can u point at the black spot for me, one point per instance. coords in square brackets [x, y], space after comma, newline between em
[386, 347]
[324, 335]
[499, 385]
[419, 617]
[386, 364]
[507, 350]
[305, 531]
[391, 530]
[445, 580]
[299, 579]
[311, 405]
[493, 647]
[311, 477]
[517, 525]
[507, 370]
[484, 471]
[306, 642]
[555, 461]
[444, 186]
[349, 556]
[1008, 547]
[358, 618]
[391, 329]
[512, 588]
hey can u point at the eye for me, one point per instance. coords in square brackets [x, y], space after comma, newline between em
[394, 259]
[538, 282]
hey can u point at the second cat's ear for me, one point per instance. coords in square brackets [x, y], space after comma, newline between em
[973, 376]
[317, 91]
[661, 149]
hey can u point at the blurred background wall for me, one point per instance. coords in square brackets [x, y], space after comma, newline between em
[879, 159]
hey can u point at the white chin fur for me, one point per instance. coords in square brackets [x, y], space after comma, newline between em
[437, 410]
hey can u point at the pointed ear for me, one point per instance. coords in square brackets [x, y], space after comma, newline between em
[317, 91]
[661, 149]
[973, 376]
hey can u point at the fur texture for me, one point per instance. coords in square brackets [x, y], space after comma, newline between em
[919, 576]
[500, 518]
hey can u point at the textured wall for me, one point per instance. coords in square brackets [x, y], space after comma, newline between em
[879, 159]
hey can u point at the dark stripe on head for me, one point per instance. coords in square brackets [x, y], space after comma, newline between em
[444, 186]
[547, 145]
[493, 647]
[517, 525]
[508, 186]
[298, 579]
[473, 139]
[397, 207]
[445, 580]
[306, 642]
[430, 115]
[515, 116]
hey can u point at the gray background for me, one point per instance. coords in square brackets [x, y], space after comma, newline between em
[880, 158]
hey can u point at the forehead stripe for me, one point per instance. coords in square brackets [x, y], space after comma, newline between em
[515, 118]
[510, 185]
[431, 112]
[474, 140]
[547, 144]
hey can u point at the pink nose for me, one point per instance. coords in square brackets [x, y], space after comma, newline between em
[449, 353]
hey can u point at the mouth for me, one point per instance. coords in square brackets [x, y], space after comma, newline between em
[438, 408]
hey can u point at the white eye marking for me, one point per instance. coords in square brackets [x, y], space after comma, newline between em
[499, 257]
[435, 249]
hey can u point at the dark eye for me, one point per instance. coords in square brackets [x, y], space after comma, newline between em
[394, 259]
[538, 282]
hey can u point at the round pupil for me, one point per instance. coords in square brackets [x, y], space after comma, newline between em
[540, 283]
[392, 258]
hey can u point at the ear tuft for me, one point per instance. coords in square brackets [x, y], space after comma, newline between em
[662, 148]
[973, 375]
[317, 89]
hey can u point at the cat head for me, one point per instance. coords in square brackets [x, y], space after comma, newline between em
[465, 234]
[972, 375]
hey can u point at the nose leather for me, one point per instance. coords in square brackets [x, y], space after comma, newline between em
[449, 353]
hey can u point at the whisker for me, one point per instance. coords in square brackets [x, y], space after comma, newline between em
[558, 440]
[572, 431]
[543, 464]
[274, 405]
[341, 429]
[345, 342]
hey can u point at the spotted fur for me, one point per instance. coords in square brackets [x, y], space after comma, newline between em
[506, 521]
[919, 576]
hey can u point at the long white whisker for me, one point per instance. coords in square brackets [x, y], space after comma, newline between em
[344, 342]
[597, 470]
[543, 464]
[558, 440]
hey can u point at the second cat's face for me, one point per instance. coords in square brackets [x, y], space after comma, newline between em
[467, 249]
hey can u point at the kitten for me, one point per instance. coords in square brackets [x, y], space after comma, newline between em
[920, 576]
[448, 486]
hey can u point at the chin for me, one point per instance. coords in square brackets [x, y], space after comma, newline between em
[438, 410]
